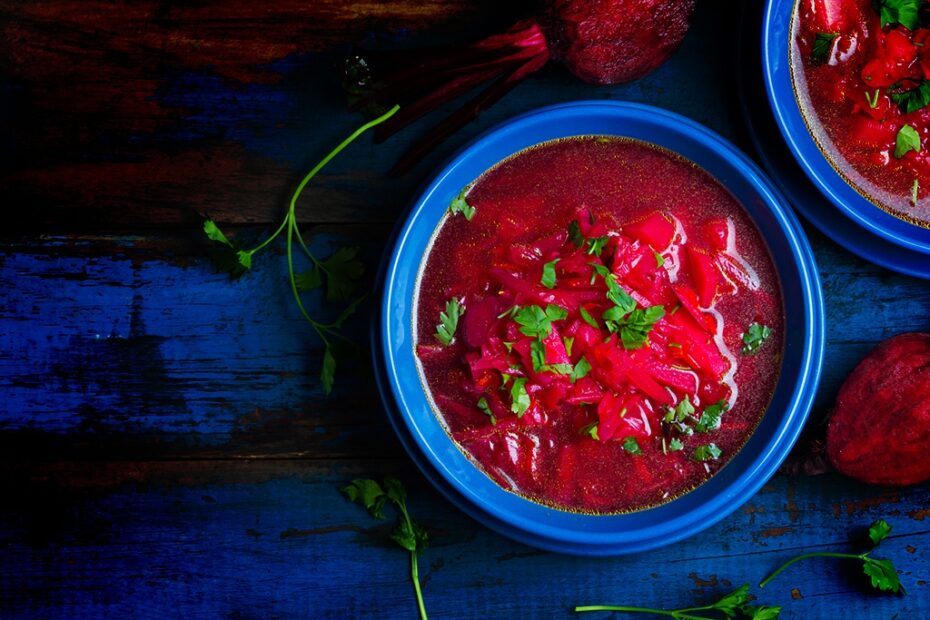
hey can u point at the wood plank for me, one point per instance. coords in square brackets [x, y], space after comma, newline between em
[275, 539]
[124, 119]
[133, 347]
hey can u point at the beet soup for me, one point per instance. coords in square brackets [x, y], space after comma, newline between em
[598, 324]
[861, 74]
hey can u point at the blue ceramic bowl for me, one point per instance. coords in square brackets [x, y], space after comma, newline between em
[777, 37]
[471, 489]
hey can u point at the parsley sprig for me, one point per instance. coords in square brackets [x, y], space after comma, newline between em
[341, 271]
[733, 605]
[407, 534]
[904, 12]
[882, 573]
[449, 321]
[754, 337]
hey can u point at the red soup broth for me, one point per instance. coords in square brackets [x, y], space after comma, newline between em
[859, 84]
[605, 288]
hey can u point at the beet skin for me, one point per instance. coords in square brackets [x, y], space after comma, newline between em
[879, 430]
[614, 41]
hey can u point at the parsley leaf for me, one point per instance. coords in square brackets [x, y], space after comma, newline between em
[879, 531]
[636, 327]
[309, 280]
[568, 343]
[582, 368]
[214, 233]
[596, 245]
[707, 452]
[538, 355]
[615, 292]
[407, 534]
[823, 42]
[590, 320]
[882, 573]
[519, 396]
[460, 205]
[660, 260]
[343, 271]
[733, 602]
[682, 411]
[906, 141]
[675, 445]
[536, 322]
[591, 431]
[904, 12]
[754, 337]
[226, 255]
[574, 234]
[328, 370]
[486, 410]
[632, 446]
[909, 100]
[710, 417]
[449, 321]
[548, 274]
[762, 612]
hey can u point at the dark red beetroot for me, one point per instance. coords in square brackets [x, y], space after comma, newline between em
[880, 428]
[600, 41]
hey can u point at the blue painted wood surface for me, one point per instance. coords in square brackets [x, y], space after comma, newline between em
[165, 447]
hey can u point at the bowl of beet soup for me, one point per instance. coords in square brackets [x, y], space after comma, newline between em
[601, 329]
[850, 92]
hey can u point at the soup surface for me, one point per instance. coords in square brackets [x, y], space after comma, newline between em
[862, 77]
[604, 333]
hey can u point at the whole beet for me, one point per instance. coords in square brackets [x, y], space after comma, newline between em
[614, 41]
[879, 430]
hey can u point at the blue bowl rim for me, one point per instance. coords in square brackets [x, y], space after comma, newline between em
[749, 480]
[776, 74]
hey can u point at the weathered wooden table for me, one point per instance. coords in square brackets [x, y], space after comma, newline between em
[166, 449]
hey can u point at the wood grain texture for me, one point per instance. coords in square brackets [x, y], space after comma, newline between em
[275, 539]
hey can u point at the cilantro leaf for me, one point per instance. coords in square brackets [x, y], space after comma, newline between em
[882, 573]
[519, 396]
[632, 446]
[906, 141]
[582, 368]
[486, 410]
[710, 417]
[460, 205]
[574, 234]
[548, 274]
[909, 100]
[707, 452]
[590, 320]
[904, 12]
[369, 494]
[754, 337]
[823, 42]
[343, 271]
[449, 321]
[879, 531]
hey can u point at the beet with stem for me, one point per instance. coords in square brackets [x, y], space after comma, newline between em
[879, 430]
[599, 41]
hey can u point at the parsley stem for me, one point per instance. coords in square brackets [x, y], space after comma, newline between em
[817, 554]
[415, 576]
[680, 614]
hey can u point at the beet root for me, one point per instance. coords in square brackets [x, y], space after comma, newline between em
[879, 430]
[614, 41]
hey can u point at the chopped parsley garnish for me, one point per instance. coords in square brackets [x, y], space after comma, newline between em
[707, 452]
[904, 12]
[635, 331]
[519, 396]
[820, 51]
[754, 337]
[660, 260]
[680, 412]
[710, 417]
[486, 410]
[675, 445]
[590, 320]
[596, 245]
[538, 355]
[568, 343]
[906, 141]
[909, 100]
[460, 205]
[632, 446]
[615, 292]
[873, 100]
[574, 234]
[582, 368]
[536, 322]
[591, 431]
[881, 573]
[548, 274]
[449, 321]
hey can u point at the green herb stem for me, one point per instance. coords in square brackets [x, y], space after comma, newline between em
[414, 569]
[680, 614]
[818, 554]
